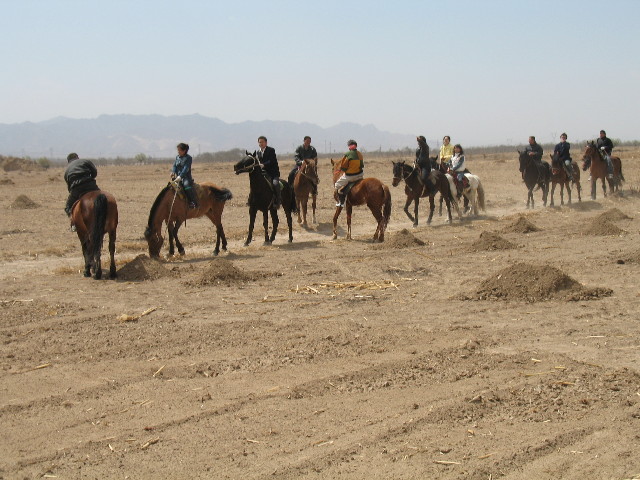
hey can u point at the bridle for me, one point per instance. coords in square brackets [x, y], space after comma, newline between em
[405, 175]
[251, 167]
[303, 171]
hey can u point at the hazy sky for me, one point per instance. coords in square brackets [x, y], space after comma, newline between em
[484, 72]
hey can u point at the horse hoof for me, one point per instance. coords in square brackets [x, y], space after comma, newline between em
[291, 240]
[266, 244]
[246, 244]
[215, 253]
[87, 274]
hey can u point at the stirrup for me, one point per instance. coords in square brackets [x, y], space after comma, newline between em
[73, 228]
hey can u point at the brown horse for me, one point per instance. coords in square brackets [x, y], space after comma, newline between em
[369, 191]
[171, 207]
[598, 170]
[305, 183]
[95, 214]
[414, 189]
[559, 176]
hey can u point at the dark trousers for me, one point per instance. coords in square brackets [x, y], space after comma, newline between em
[77, 191]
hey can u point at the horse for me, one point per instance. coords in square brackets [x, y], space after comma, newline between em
[305, 183]
[474, 193]
[262, 198]
[369, 191]
[95, 214]
[598, 170]
[414, 189]
[535, 174]
[559, 176]
[171, 208]
[444, 168]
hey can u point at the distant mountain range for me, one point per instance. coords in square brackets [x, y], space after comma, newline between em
[156, 135]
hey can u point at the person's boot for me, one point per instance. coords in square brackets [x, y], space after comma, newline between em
[342, 198]
[191, 195]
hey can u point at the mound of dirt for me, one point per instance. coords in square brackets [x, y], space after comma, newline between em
[22, 202]
[143, 268]
[9, 164]
[614, 215]
[633, 257]
[222, 271]
[402, 239]
[521, 225]
[6, 181]
[534, 283]
[601, 226]
[491, 241]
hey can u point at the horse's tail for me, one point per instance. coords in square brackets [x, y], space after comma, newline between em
[100, 205]
[221, 194]
[386, 210]
[480, 194]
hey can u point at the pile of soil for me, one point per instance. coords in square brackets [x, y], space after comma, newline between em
[402, 239]
[633, 257]
[521, 225]
[143, 268]
[22, 202]
[601, 226]
[222, 271]
[614, 215]
[491, 241]
[9, 164]
[534, 283]
[6, 181]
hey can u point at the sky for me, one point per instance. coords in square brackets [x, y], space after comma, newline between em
[484, 72]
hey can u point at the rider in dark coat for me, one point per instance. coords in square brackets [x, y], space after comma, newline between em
[80, 176]
[181, 172]
[605, 146]
[303, 152]
[269, 161]
[563, 155]
[424, 163]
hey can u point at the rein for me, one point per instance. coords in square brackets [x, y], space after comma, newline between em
[404, 177]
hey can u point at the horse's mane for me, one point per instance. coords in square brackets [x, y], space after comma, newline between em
[155, 206]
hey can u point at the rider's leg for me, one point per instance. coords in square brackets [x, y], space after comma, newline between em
[276, 188]
[569, 169]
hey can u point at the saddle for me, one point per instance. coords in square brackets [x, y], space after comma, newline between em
[179, 189]
[347, 188]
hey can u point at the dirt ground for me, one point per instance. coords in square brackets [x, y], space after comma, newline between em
[471, 350]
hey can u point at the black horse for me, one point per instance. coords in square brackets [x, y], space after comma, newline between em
[414, 189]
[262, 198]
[535, 174]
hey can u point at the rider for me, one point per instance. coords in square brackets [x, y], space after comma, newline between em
[605, 145]
[269, 163]
[352, 164]
[457, 166]
[446, 150]
[533, 150]
[563, 155]
[303, 152]
[80, 176]
[423, 163]
[181, 172]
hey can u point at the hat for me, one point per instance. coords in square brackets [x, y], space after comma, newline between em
[352, 142]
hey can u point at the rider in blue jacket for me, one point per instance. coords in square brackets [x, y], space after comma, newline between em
[181, 172]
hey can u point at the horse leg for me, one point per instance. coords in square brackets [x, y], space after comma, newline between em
[304, 203]
[474, 202]
[112, 253]
[87, 258]
[406, 210]
[265, 224]
[97, 266]
[530, 198]
[377, 213]
[545, 193]
[568, 187]
[313, 207]
[432, 208]
[416, 205]
[604, 186]
[299, 208]
[179, 246]
[275, 221]
[170, 230]
[335, 222]
[440, 211]
[593, 187]
[217, 221]
[349, 211]
[252, 221]
[553, 190]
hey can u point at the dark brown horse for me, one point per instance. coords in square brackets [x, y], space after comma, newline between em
[369, 191]
[559, 176]
[535, 174]
[171, 207]
[95, 214]
[598, 170]
[415, 190]
[305, 183]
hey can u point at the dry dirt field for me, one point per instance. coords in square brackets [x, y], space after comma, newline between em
[504, 346]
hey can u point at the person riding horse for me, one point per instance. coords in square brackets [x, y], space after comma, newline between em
[424, 164]
[352, 164]
[303, 152]
[457, 167]
[80, 176]
[181, 173]
[446, 150]
[605, 147]
[269, 161]
[561, 153]
[533, 150]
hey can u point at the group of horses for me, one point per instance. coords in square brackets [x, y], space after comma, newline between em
[96, 213]
[544, 175]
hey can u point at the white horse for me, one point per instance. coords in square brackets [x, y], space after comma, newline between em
[474, 192]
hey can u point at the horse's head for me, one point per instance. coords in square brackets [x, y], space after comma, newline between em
[154, 240]
[247, 164]
[310, 168]
[523, 159]
[336, 172]
[398, 173]
[589, 151]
